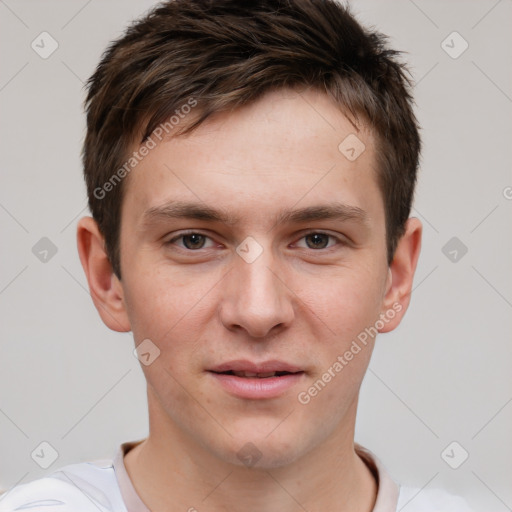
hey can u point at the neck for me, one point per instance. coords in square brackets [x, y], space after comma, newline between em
[172, 472]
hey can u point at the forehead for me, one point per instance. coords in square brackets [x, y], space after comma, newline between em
[287, 147]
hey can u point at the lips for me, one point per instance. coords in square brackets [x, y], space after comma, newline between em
[249, 380]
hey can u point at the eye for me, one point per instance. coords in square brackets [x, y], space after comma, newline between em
[319, 240]
[191, 241]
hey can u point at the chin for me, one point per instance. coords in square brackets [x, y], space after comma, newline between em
[260, 453]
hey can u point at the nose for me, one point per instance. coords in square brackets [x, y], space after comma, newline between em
[256, 298]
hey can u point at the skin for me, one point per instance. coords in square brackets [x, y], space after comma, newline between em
[303, 301]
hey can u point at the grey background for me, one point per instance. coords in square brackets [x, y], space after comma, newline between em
[443, 376]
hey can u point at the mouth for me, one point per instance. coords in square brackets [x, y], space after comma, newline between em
[248, 380]
[255, 375]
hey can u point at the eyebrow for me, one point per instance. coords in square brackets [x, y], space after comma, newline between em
[199, 211]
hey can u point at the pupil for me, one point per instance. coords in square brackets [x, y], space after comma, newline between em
[197, 241]
[317, 239]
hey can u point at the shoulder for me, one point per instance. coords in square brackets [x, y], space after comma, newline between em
[83, 487]
[430, 500]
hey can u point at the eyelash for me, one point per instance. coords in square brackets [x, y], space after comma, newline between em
[338, 240]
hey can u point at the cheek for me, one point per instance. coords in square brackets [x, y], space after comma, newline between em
[345, 302]
[168, 312]
[161, 304]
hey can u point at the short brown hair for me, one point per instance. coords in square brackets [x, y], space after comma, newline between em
[227, 53]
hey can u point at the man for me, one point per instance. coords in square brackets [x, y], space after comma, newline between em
[250, 170]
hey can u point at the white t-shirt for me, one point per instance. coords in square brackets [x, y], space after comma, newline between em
[104, 486]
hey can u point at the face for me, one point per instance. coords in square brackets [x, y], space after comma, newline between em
[252, 246]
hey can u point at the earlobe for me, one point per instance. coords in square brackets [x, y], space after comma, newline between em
[401, 275]
[106, 289]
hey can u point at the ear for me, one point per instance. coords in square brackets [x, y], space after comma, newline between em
[401, 274]
[106, 289]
